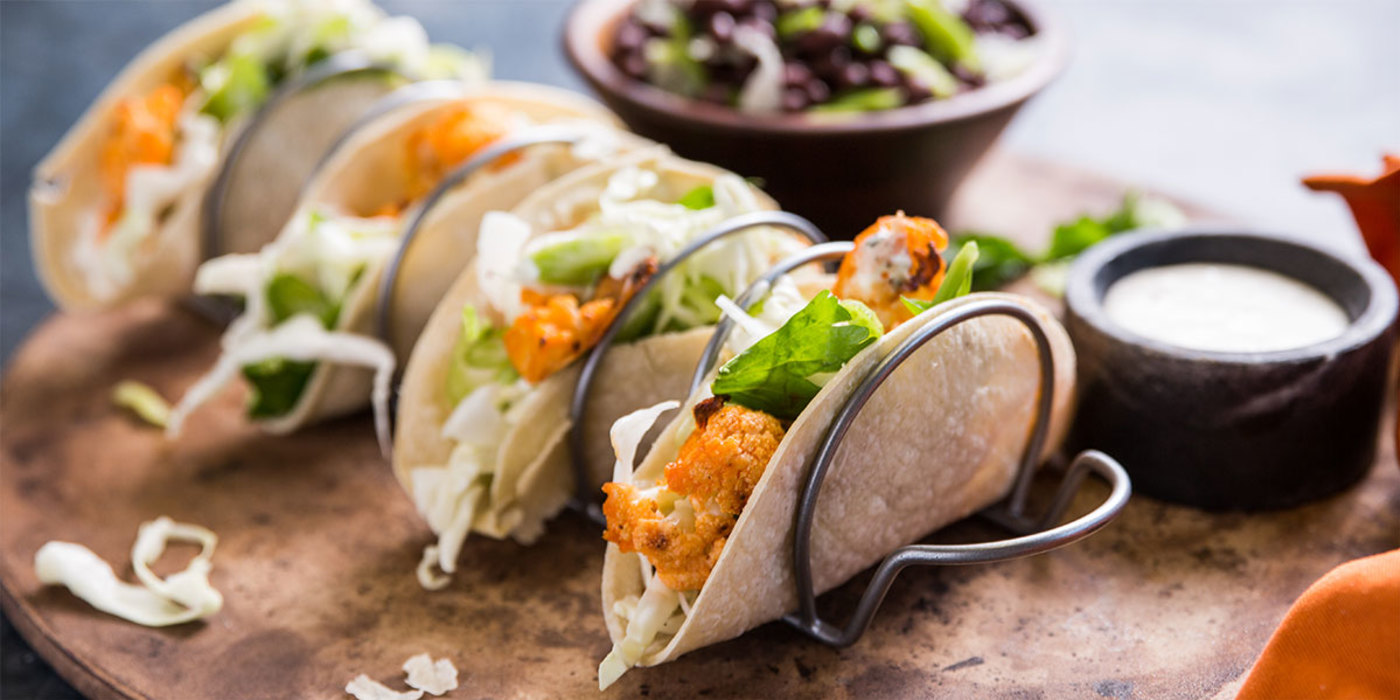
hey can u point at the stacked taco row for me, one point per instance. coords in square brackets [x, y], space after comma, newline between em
[515, 274]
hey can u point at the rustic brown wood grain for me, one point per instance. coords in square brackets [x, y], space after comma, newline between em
[318, 546]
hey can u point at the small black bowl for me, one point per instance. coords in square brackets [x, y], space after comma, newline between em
[1232, 431]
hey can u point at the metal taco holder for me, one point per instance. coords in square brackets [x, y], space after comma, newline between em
[1032, 534]
[558, 135]
[340, 64]
[584, 499]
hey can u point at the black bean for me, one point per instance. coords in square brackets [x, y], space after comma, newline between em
[633, 64]
[795, 100]
[631, 35]
[834, 31]
[1016, 31]
[901, 33]
[986, 15]
[796, 73]
[859, 13]
[915, 92]
[818, 92]
[721, 27]
[968, 77]
[830, 65]
[716, 93]
[765, 28]
[883, 74]
[704, 8]
[854, 75]
[764, 12]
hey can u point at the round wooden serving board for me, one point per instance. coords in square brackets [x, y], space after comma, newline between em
[318, 547]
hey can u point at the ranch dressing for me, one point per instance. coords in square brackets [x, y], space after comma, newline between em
[1223, 308]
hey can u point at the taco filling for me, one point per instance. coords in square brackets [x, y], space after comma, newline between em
[320, 263]
[161, 144]
[678, 519]
[548, 299]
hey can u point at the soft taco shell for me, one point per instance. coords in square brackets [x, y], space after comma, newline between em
[940, 440]
[367, 172]
[66, 185]
[534, 459]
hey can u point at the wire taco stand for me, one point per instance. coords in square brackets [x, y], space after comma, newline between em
[585, 499]
[222, 310]
[1033, 534]
[558, 135]
[339, 65]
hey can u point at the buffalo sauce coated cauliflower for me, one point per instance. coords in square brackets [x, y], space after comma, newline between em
[681, 525]
[556, 329]
[897, 256]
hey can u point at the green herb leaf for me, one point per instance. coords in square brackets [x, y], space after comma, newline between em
[702, 197]
[999, 261]
[669, 63]
[578, 260]
[775, 374]
[1074, 237]
[289, 295]
[235, 84]
[478, 357]
[957, 283]
[276, 385]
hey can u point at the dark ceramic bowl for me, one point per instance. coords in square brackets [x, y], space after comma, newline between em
[1227, 431]
[841, 174]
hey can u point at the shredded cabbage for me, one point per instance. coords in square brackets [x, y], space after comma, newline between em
[365, 688]
[763, 91]
[433, 677]
[143, 401]
[182, 597]
[654, 610]
[307, 273]
[626, 435]
[304, 339]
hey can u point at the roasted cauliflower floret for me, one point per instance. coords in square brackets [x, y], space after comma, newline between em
[143, 133]
[681, 525]
[435, 149]
[897, 256]
[556, 329]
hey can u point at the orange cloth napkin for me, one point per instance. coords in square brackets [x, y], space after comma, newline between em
[1341, 639]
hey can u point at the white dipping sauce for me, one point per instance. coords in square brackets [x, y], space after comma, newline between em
[1223, 308]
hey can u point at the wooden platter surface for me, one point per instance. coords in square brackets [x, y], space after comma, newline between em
[318, 546]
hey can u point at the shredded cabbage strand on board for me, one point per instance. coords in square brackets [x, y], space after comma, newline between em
[365, 688]
[330, 254]
[432, 677]
[181, 597]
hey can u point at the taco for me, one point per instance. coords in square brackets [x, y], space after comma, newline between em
[306, 337]
[701, 533]
[484, 406]
[116, 206]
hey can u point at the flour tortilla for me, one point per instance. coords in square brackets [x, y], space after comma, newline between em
[534, 458]
[66, 184]
[940, 440]
[367, 172]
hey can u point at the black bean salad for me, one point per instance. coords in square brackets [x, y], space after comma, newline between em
[822, 55]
